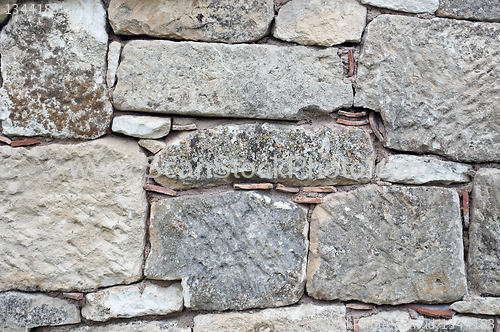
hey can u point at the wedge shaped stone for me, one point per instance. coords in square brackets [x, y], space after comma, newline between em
[233, 250]
[246, 81]
[436, 84]
[276, 153]
[72, 217]
[138, 326]
[408, 6]
[478, 306]
[228, 21]
[483, 10]
[54, 68]
[387, 245]
[484, 232]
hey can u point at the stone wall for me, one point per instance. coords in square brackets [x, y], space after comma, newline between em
[219, 165]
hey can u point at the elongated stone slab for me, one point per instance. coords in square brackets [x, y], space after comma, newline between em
[478, 306]
[138, 326]
[277, 153]
[409, 6]
[436, 84]
[387, 245]
[484, 10]
[484, 232]
[54, 68]
[247, 81]
[21, 311]
[142, 126]
[229, 21]
[233, 250]
[72, 217]
[303, 318]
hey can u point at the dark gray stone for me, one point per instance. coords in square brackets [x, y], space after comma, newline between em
[234, 250]
[483, 10]
[387, 245]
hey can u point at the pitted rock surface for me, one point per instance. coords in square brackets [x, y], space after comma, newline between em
[483, 10]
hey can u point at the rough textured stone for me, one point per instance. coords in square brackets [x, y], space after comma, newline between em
[484, 10]
[479, 306]
[436, 83]
[303, 318]
[275, 153]
[419, 170]
[72, 217]
[319, 22]
[248, 81]
[484, 232]
[4, 14]
[113, 62]
[132, 301]
[409, 6]
[400, 321]
[142, 126]
[233, 250]
[387, 245]
[53, 69]
[20, 311]
[229, 21]
[139, 326]
[152, 145]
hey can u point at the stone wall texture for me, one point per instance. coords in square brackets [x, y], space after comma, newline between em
[253, 166]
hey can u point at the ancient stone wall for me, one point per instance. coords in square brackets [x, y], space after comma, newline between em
[235, 165]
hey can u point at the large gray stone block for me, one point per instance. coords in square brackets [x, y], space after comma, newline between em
[484, 232]
[387, 245]
[483, 10]
[436, 84]
[233, 250]
[324, 155]
[54, 68]
[246, 81]
[229, 21]
[72, 217]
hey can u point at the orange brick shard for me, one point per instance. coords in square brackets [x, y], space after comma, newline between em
[160, 190]
[252, 186]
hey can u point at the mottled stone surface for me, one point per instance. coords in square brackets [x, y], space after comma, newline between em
[303, 318]
[289, 154]
[151, 145]
[133, 301]
[484, 232]
[408, 6]
[21, 311]
[138, 326]
[233, 250]
[142, 126]
[410, 169]
[317, 22]
[479, 306]
[72, 217]
[229, 21]
[114, 52]
[387, 245]
[54, 68]
[484, 10]
[247, 81]
[400, 321]
[436, 84]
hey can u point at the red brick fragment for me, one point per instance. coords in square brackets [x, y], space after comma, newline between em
[433, 310]
[5, 140]
[360, 306]
[25, 142]
[465, 201]
[352, 123]
[328, 189]
[184, 127]
[281, 187]
[73, 296]
[252, 186]
[307, 200]
[352, 114]
[374, 127]
[160, 190]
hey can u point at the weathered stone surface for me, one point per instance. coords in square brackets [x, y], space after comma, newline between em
[318, 22]
[233, 250]
[113, 62]
[72, 217]
[132, 301]
[484, 10]
[419, 170]
[142, 126]
[436, 83]
[229, 21]
[409, 6]
[303, 318]
[276, 153]
[248, 81]
[479, 306]
[400, 321]
[139, 326]
[152, 145]
[53, 69]
[484, 232]
[387, 245]
[21, 311]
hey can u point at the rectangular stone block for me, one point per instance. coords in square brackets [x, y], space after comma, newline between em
[233, 250]
[387, 245]
[72, 217]
[327, 155]
[245, 81]
[482, 10]
[436, 84]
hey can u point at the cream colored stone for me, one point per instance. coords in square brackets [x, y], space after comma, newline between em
[152, 145]
[142, 126]
[139, 326]
[479, 306]
[114, 51]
